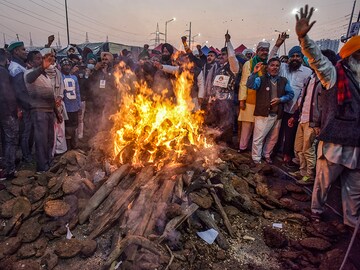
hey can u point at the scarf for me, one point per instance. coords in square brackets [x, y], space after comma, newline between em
[256, 59]
[343, 87]
[209, 79]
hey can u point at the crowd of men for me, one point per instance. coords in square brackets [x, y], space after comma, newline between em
[304, 105]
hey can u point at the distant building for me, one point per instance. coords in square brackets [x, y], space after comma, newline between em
[332, 44]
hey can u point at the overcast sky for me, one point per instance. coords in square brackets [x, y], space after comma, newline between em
[132, 22]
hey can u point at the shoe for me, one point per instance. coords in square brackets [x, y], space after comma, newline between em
[40, 172]
[268, 160]
[242, 151]
[296, 161]
[296, 174]
[316, 217]
[306, 181]
[289, 164]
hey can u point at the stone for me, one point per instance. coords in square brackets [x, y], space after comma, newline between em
[10, 245]
[18, 205]
[89, 247]
[203, 200]
[56, 208]
[68, 248]
[71, 184]
[221, 255]
[21, 181]
[274, 238]
[232, 211]
[315, 243]
[40, 246]
[332, 260]
[15, 190]
[30, 230]
[290, 254]
[173, 210]
[5, 196]
[26, 251]
[301, 197]
[294, 188]
[28, 264]
[25, 174]
[289, 204]
[49, 260]
[244, 169]
[36, 193]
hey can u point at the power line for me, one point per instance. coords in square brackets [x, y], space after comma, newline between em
[41, 18]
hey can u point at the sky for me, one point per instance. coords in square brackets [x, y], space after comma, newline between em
[132, 22]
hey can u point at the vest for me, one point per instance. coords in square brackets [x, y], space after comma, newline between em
[263, 96]
[340, 124]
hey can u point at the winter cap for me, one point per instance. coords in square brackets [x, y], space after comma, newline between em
[15, 44]
[65, 61]
[295, 49]
[263, 44]
[46, 51]
[351, 46]
[247, 51]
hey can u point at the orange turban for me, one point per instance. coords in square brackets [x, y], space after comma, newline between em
[350, 47]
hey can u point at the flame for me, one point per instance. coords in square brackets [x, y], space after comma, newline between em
[150, 128]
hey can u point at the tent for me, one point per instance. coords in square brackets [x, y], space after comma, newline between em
[216, 50]
[205, 50]
[158, 48]
[240, 49]
[98, 47]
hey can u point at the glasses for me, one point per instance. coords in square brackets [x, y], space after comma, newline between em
[223, 53]
[296, 56]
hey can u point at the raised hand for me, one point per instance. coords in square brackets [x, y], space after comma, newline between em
[47, 61]
[303, 24]
[258, 67]
[227, 37]
[281, 38]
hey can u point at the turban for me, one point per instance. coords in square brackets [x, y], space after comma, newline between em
[169, 48]
[296, 49]
[90, 56]
[15, 44]
[107, 53]
[350, 47]
[263, 44]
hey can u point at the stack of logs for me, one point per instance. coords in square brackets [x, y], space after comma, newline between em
[145, 206]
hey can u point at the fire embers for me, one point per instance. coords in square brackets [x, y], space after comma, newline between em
[151, 128]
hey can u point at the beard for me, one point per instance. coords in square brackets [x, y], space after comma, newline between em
[294, 65]
[165, 57]
[355, 67]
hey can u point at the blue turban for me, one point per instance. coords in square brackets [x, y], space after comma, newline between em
[295, 49]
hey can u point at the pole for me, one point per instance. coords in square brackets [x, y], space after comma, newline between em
[190, 35]
[285, 48]
[351, 17]
[166, 31]
[67, 23]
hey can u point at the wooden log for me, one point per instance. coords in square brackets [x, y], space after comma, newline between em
[103, 192]
[221, 210]
[122, 204]
[207, 219]
[111, 199]
[127, 241]
[159, 208]
[177, 221]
